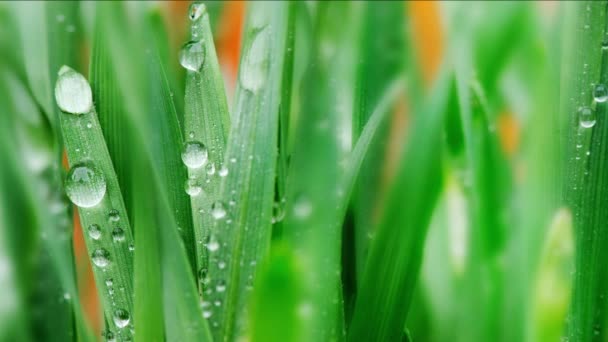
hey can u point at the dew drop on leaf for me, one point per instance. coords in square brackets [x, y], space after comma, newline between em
[100, 257]
[193, 188]
[586, 117]
[73, 92]
[196, 10]
[210, 169]
[113, 216]
[94, 231]
[223, 171]
[600, 93]
[255, 64]
[85, 185]
[218, 210]
[118, 234]
[192, 55]
[121, 318]
[194, 154]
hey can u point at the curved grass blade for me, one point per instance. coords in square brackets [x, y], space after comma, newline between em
[206, 120]
[394, 260]
[92, 185]
[243, 228]
[584, 69]
[382, 52]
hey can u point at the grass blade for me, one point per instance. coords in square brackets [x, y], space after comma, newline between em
[394, 259]
[92, 185]
[243, 229]
[382, 53]
[585, 63]
[206, 120]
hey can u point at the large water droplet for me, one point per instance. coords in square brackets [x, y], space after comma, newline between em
[85, 185]
[600, 93]
[194, 154]
[118, 234]
[586, 117]
[73, 92]
[121, 318]
[192, 55]
[196, 10]
[94, 231]
[255, 65]
[193, 188]
[218, 210]
[100, 257]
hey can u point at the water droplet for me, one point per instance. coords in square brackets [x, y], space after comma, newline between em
[94, 231]
[194, 154]
[586, 117]
[221, 265]
[302, 208]
[193, 188]
[192, 55]
[118, 234]
[121, 318]
[217, 303]
[223, 171]
[191, 135]
[277, 213]
[109, 336]
[604, 46]
[85, 185]
[131, 247]
[221, 286]
[113, 216]
[211, 169]
[218, 211]
[600, 93]
[73, 92]
[202, 274]
[109, 282]
[213, 246]
[196, 10]
[207, 313]
[100, 257]
[89, 125]
[254, 70]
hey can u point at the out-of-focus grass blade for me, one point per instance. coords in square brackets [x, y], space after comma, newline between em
[553, 284]
[381, 60]
[584, 80]
[275, 299]
[92, 185]
[206, 120]
[241, 236]
[49, 33]
[395, 255]
[485, 184]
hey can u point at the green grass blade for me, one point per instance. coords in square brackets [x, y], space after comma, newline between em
[584, 66]
[370, 134]
[242, 233]
[93, 186]
[206, 120]
[382, 52]
[395, 256]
